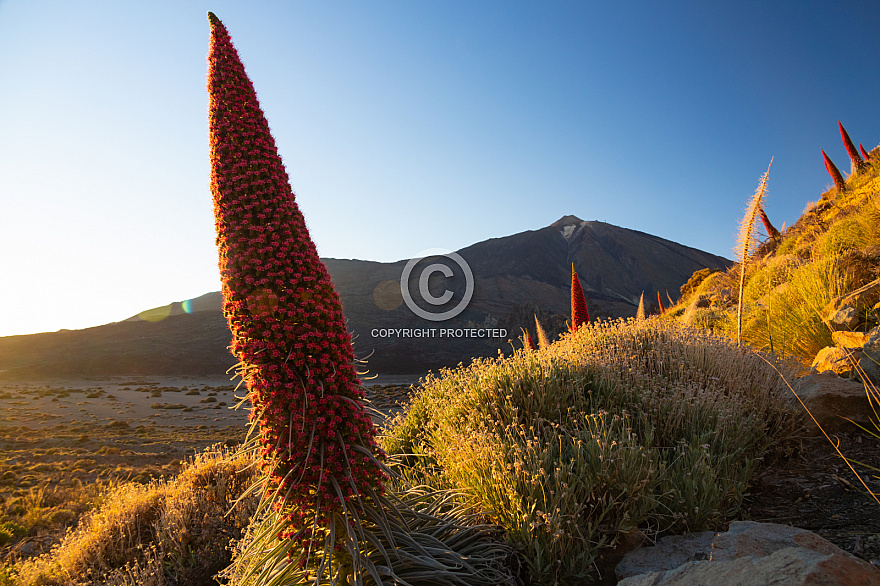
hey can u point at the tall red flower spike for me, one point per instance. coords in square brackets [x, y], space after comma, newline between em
[772, 232]
[865, 154]
[579, 314]
[286, 318]
[834, 172]
[660, 304]
[857, 163]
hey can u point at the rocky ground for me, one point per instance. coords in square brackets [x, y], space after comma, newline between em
[816, 490]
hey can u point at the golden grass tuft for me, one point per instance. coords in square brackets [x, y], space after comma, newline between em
[180, 526]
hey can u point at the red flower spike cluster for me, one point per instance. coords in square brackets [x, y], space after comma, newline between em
[579, 314]
[286, 318]
[857, 163]
[834, 172]
[772, 232]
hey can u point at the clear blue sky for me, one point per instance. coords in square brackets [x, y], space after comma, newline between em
[405, 126]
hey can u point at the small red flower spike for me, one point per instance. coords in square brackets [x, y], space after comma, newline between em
[834, 172]
[579, 313]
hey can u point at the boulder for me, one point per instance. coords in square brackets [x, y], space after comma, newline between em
[843, 318]
[748, 553]
[844, 339]
[845, 312]
[787, 567]
[669, 553]
[840, 361]
[748, 538]
[870, 360]
[831, 399]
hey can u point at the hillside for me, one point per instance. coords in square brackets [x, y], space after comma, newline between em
[811, 291]
[515, 277]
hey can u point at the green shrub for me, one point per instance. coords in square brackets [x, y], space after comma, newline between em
[854, 233]
[790, 320]
[695, 281]
[621, 425]
[9, 531]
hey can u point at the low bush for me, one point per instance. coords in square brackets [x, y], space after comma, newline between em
[620, 426]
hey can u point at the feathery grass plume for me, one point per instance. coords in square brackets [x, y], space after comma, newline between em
[543, 340]
[640, 312]
[857, 163]
[579, 313]
[669, 297]
[834, 172]
[660, 304]
[527, 342]
[772, 232]
[325, 515]
[746, 242]
[865, 154]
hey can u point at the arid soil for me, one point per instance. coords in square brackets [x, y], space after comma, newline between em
[64, 442]
[816, 490]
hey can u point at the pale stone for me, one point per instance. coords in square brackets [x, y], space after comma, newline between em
[831, 399]
[747, 554]
[840, 361]
[844, 318]
[845, 312]
[845, 339]
[791, 566]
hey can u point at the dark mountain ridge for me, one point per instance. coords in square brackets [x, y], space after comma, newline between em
[514, 277]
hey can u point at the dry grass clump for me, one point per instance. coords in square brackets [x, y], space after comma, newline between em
[619, 426]
[789, 319]
[180, 526]
[43, 509]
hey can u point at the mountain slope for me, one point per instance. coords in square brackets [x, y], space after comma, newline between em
[514, 277]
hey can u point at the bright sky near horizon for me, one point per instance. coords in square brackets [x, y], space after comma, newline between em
[406, 126]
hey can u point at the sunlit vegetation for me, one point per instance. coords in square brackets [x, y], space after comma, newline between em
[142, 532]
[833, 249]
[621, 426]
